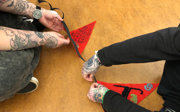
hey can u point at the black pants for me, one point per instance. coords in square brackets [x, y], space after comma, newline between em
[170, 81]
[113, 102]
[159, 45]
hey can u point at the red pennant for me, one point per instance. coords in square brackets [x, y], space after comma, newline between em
[137, 92]
[81, 36]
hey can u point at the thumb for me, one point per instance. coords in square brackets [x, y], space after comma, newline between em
[94, 85]
[59, 18]
[66, 41]
[57, 15]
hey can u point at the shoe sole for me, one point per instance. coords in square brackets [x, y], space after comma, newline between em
[34, 83]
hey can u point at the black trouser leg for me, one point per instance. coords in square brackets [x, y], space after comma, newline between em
[169, 87]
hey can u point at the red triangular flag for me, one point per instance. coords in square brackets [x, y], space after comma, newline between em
[134, 92]
[82, 35]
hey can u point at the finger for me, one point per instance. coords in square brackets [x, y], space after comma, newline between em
[90, 95]
[54, 28]
[61, 26]
[63, 42]
[57, 15]
[90, 91]
[57, 25]
[86, 75]
[59, 18]
[66, 36]
[92, 77]
[58, 34]
[66, 41]
[61, 36]
[89, 77]
[54, 12]
[99, 85]
[93, 85]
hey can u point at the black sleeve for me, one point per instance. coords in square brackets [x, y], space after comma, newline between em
[160, 45]
[114, 102]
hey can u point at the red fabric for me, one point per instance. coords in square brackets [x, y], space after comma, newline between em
[82, 35]
[133, 93]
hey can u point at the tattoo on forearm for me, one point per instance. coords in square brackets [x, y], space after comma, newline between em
[91, 66]
[90, 62]
[98, 97]
[8, 31]
[3, 2]
[99, 93]
[20, 40]
[17, 43]
[11, 4]
[51, 41]
[39, 34]
[18, 6]
[25, 42]
[21, 6]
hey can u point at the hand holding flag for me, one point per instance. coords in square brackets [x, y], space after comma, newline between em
[90, 67]
[96, 92]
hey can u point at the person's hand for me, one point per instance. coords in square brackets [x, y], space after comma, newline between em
[96, 92]
[53, 39]
[51, 20]
[90, 67]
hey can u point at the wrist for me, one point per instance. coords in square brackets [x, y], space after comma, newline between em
[104, 94]
[97, 58]
[35, 12]
[41, 38]
[30, 10]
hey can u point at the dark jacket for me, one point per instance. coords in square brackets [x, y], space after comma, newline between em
[159, 45]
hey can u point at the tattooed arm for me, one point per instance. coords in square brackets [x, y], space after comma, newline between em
[90, 67]
[96, 92]
[21, 7]
[13, 39]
